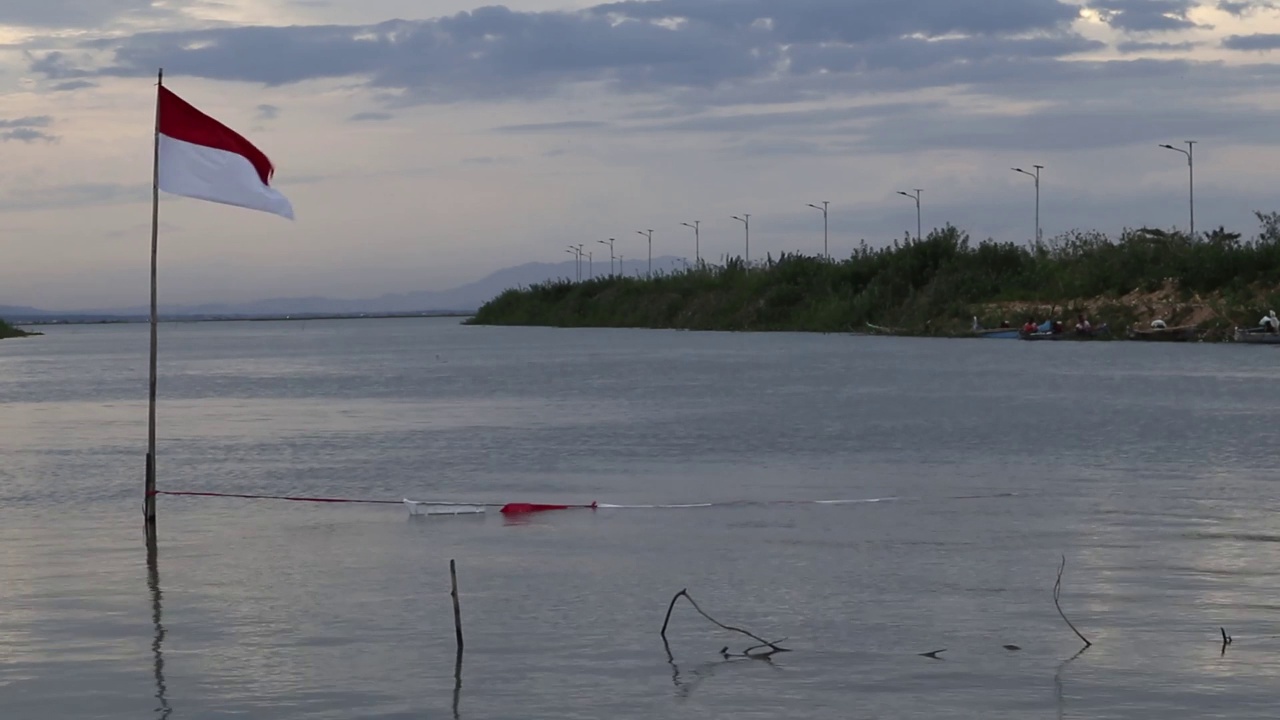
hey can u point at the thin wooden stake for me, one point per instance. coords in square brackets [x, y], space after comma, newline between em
[1057, 591]
[457, 609]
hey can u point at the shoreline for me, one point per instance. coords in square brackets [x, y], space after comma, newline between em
[135, 319]
[1212, 336]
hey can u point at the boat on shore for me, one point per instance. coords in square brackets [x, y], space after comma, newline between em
[1098, 333]
[1258, 336]
[1182, 333]
[1041, 335]
[999, 333]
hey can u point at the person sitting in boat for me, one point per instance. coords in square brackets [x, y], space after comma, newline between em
[1083, 326]
[1030, 328]
[1058, 327]
[1270, 323]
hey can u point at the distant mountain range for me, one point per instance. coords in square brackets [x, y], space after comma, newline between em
[463, 299]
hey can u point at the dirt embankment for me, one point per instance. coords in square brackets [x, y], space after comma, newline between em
[1138, 307]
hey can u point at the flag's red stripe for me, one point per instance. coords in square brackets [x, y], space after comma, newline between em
[181, 121]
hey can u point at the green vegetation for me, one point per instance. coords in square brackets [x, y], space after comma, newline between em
[935, 286]
[9, 331]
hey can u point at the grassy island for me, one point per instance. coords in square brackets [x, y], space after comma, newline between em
[9, 331]
[936, 286]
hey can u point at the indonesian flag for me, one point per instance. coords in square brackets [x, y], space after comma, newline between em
[201, 158]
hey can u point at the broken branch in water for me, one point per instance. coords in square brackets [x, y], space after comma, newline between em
[772, 645]
[1057, 591]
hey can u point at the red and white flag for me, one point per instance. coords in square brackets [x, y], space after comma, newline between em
[201, 158]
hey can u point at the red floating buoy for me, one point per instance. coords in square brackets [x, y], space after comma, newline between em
[525, 508]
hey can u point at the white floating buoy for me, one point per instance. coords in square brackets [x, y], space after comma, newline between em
[424, 508]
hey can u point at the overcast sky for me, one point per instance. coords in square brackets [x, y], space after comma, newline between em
[425, 143]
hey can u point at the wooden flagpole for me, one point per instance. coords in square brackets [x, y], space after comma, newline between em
[149, 504]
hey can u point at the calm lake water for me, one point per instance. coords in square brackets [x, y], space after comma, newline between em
[1152, 468]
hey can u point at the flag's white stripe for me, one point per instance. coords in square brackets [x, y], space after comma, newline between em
[216, 175]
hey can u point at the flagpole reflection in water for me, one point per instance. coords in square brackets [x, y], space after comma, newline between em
[163, 710]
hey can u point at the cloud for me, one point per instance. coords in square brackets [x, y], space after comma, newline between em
[1070, 127]
[77, 13]
[26, 135]
[268, 112]
[915, 53]
[489, 160]
[792, 120]
[74, 195]
[1146, 15]
[1261, 42]
[854, 21]
[57, 65]
[666, 46]
[71, 85]
[370, 117]
[31, 121]
[1137, 46]
[1244, 7]
[568, 125]
[24, 129]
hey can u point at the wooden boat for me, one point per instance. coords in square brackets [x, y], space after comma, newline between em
[1000, 333]
[1043, 336]
[1182, 333]
[997, 333]
[1256, 335]
[1098, 333]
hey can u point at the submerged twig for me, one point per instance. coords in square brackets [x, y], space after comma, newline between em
[457, 683]
[773, 646]
[1057, 681]
[1226, 640]
[1057, 592]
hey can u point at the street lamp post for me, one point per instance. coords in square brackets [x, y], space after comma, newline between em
[591, 267]
[745, 219]
[825, 253]
[697, 240]
[1034, 176]
[1191, 177]
[577, 263]
[610, 244]
[620, 271]
[648, 234]
[916, 197]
